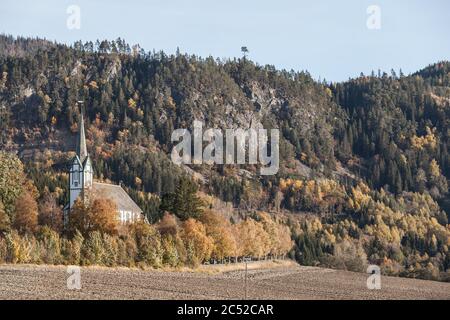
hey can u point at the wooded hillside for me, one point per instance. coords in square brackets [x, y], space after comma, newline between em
[364, 163]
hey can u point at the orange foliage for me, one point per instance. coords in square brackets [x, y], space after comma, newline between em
[195, 238]
[26, 217]
[98, 215]
[168, 225]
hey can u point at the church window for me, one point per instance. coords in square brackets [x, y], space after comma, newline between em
[76, 178]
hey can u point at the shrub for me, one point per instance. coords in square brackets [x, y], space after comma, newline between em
[348, 256]
[127, 252]
[168, 225]
[26, 217]
[50, 243]
[50, 214]
[3, 250]
[199, 244]
[5, 223]
[171, 256]
[71, 249]
[23, 248]
[111, 248]
[93, 251]
[99, 215]
[219, 228]
[148, 242]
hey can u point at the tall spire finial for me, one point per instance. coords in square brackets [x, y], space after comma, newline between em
[81, 142]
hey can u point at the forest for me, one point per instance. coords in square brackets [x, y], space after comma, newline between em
[364, 164]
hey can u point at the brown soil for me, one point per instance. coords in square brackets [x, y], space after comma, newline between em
[266, 281]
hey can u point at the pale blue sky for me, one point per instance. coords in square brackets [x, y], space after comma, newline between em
[328, 38]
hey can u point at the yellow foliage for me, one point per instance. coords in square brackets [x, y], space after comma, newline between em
[283, 185]
[131, 103]
[194, 234]
[435, 170]
[361, 198]
[429, 140]
[298, 184]
[47, 99]
[138, 181]
[93, 85]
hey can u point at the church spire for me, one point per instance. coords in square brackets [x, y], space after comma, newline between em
[81, 142]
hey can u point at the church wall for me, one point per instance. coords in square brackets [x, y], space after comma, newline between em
[128, 216]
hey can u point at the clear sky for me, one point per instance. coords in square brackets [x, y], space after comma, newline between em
[328, 38]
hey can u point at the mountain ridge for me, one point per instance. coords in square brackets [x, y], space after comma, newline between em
[358, 156]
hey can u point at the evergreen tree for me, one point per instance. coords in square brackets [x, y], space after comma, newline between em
[183, 202]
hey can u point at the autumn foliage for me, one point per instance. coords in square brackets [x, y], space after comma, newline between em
[26, 213]
[50, 213]
[98, 215]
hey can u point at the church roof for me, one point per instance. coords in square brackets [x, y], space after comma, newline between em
[81, 142]
[77, 160]
[116, 194]
[88, 158]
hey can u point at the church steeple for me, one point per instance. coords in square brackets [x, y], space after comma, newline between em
[81, 173]
[81, 142]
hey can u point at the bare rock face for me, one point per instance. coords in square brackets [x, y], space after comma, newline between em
[27, 92]
[77, 69]
[113, 69]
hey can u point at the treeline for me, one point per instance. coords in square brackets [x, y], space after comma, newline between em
[131, 97]
[169, 243]
[398, 126]
[389, 129]
[405, 235]
[367, 158]
[31, 229]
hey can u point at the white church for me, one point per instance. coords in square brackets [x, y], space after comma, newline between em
[82, 184]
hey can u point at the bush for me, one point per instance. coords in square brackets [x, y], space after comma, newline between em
[50, 243]
[171, 256]
[148, 242]
[100, 215]
[71, 249]
[127, 252]
[26, 217]
[199, 244]
[3, 250]
[5, 223]
[19, 249]
[347, 256]
[93, 250]
[111, 250]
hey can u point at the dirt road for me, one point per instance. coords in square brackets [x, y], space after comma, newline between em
[285, 282]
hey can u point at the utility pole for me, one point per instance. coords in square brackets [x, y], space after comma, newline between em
[246, 270]
[246, 275]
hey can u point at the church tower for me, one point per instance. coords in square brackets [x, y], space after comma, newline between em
[81, 173]
[83, 187]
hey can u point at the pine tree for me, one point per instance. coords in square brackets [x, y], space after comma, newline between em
[184, 202]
